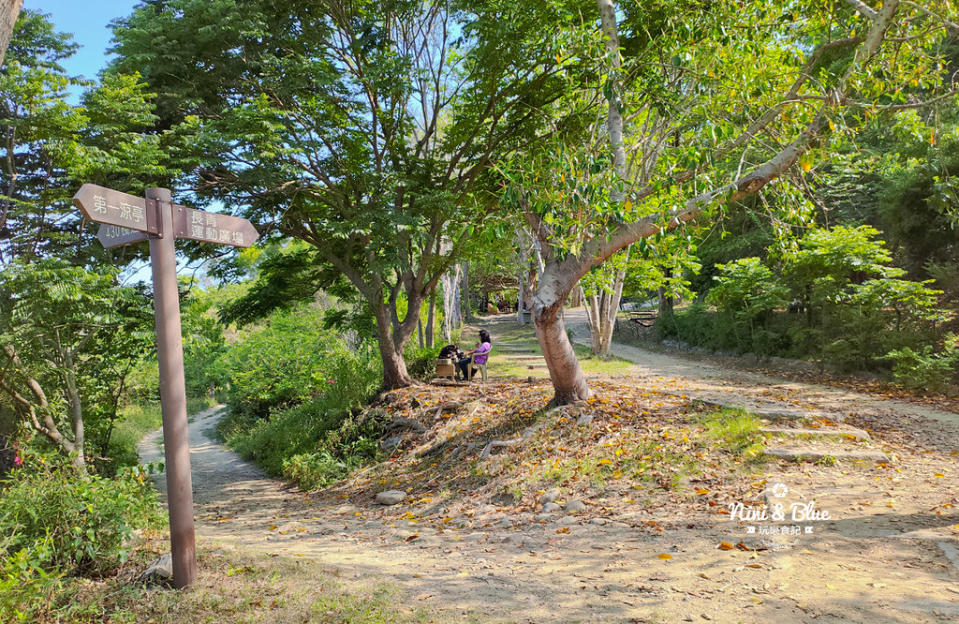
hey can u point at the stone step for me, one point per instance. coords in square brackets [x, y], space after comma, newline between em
[858, 434]
[762, 408]
[815, 454]
[784, 412]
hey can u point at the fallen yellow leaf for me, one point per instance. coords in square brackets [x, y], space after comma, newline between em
[665, 557]
[725, 546]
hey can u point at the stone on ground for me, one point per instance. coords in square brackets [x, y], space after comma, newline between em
[391, 497]
[160, 571]
[549, 496]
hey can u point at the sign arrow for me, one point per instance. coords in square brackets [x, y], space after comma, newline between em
[111, 236]
[212, 227]
[103, 205]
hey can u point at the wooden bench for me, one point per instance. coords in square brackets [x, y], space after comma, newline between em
[646, 319]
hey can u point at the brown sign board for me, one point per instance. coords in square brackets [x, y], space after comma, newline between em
[103, 205]
[111, 236]
[212, 227]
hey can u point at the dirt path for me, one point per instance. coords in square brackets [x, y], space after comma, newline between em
[887, 554]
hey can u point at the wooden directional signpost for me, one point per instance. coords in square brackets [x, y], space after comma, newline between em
[127, 219]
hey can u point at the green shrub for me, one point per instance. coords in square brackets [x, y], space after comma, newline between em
[854, 308]
[323, 423]
[279, 364]
[420, 362]
[313, 470]
[292, 360]
[746, 294]
[925, 370]
[57, 520]
[354, 443]
[27, 587]
[695, 325]
[287, 432]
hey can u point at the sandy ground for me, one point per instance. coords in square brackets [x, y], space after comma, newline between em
[889, 553]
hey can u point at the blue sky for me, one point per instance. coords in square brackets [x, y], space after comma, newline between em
[88, 22]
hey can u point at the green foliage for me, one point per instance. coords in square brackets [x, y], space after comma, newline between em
[925, 370]
[60, 521]
[354, 443]
[76, 335]
[204, 343]
[282, 363]
[695, 324]
[311, 436]
[53, 145]
[746, 293]
[855, 306]
[311, 444]
[329, 105]
[27, 586]
[420, 362]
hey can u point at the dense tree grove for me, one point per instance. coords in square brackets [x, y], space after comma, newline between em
[410, 147]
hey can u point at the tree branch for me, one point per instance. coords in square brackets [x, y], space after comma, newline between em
[863, 8]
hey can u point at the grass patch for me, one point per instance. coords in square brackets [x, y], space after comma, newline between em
[735, 431]
[593, 364]
[233, 586]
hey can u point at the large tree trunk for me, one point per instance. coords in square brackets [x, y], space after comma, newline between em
[391, 341]
[9, 9]
[451, 302]
[560, 275]
[569, 383]
[521, 298]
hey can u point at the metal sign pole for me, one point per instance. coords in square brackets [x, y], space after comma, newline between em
[176, 438]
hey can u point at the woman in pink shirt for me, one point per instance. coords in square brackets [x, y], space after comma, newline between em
[479, 355]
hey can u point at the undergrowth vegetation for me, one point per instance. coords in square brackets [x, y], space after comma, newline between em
[295, 395]
[231, 586]
[58, 524]
[834, 298]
